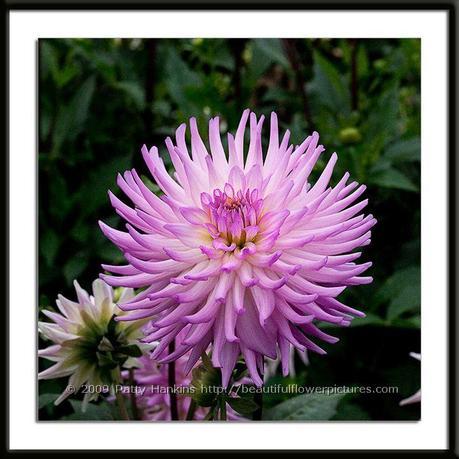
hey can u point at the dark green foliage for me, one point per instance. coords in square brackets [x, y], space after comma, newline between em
[100, 100]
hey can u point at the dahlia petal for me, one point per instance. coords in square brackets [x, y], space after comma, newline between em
[222, 286]
[334, 303]
[57, 318]
[197, 333]
[206, 313]
[324, 179]
[176, 314]
[178, 165]
[121, 239]
[319, 313]
[267, 282]
[197, 351]
[55, 333]
[245, 275]
[286, 331]
[292, 242]
[151, 243]
[145, 303]
[59, 370]
[237, 178]
[219, 340]
[230, 320]
[135, 281]
[333, 249]
[51, 353]
[254, 153]
[156, 166]
[284, 347]
[139, 314]
[265, 261]
[126, 269]
[293, 316]
[239, 256]
[250, 361]
[228, 358]
[188, 256]
[264, 301]
[211, 269]
[126, 212]
[273, 148]
[252, 334]
[198, 149]
[216, 147]
[312, 330]
[179, 352]
[196, 292]
[156, 267]
[238, 296]
[342, 216]
[187, 236]
[239, 141]
[300, 283]
[310, 345]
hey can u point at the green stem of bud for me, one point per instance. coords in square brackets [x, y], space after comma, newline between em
[258, 399]
[122, 406]
[223, 410]
[135, 410]
[191, 411]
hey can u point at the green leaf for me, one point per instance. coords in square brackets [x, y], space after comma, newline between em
[404, 150]
[348, 411]
[48, 60]
[382, 122]
[74, 267]
[408, 299]
[46, 399]
[402, 291]
[134, 91]
[393, 178]
[49, 245]
[99, 412]
[305, 407]
[362, 61]
[242, 405]
[329, 86]
[272, 49]
[93, 192]
[131, 350]
[70, 118]
[180, 77]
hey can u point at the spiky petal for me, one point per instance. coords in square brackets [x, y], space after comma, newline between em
[241, 251]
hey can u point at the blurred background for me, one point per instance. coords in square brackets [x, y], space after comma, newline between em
[100, 100]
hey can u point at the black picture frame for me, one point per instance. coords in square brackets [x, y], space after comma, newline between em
[450, 6]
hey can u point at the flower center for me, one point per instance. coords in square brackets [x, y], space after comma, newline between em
[233, 215]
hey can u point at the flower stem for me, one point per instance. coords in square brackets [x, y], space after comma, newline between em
[210, 415]
[135, 411]
[258, 399]
[354, 77]
[122, 406]
[191, 411]
[171, 381]
[223, 410]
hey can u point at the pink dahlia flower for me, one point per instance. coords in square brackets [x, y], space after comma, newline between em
[153, 391]
[153, 398]
[241, 252]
